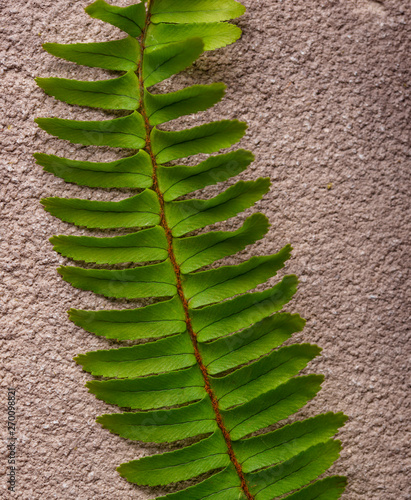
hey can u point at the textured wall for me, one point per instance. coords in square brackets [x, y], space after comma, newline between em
[324, 86]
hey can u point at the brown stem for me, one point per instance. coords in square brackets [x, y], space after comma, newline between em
[176, 267]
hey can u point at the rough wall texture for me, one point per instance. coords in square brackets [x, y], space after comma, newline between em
[324, 86]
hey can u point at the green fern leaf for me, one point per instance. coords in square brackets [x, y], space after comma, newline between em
[157, 280]
[296, 472]
[131, 172]
[167, 60]
[188, 215]
[127, 132]
[267, 373]
[129, 19]
[153, 357]
[210, 364]
[213, 35]
[156, 320]
[163, 426]
[119, 55]
[197, 251]
[189, 462]
[194, 11]
[180, 180]
[146, 245]
[120, 93]
[146, 393]
[215, 321]
[208, 138]
[161, 108]
[250, 343]
[329, 488]
[140, 210]
[282, 444]
[223, 485]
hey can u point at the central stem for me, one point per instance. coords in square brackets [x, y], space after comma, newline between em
[176, 267]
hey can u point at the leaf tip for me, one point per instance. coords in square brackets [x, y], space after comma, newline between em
[90, 9]
[91, 385]
[101, 420]
[122, 470]
[62, 270]
[71, 312]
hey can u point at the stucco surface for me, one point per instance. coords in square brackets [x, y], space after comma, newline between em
[324, 86]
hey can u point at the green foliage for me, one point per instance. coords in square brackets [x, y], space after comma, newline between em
[118, 55]
[130, 172]
[209, 363]
[120, 93]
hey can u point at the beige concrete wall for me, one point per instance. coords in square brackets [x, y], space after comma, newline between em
[324, 86]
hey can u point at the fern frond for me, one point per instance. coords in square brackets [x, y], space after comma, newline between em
[211, 365]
